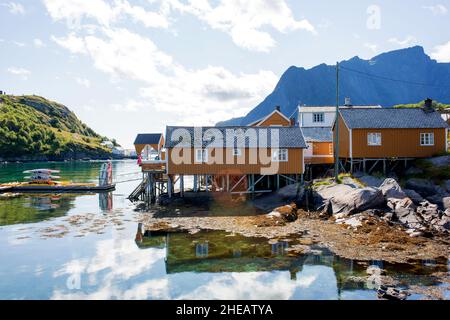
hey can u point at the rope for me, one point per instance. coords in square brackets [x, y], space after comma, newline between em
[116, 182]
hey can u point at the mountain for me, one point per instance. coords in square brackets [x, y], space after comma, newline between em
[364, 81]
[34, 128]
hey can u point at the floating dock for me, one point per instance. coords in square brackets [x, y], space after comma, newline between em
[73, 187]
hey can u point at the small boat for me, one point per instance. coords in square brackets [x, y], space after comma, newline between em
[42, 171]
[42, 180]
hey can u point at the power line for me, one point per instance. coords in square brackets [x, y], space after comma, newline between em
[374, 76]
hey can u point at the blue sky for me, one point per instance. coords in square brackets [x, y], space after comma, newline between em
[127, 66]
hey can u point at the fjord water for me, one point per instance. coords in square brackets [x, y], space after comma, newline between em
[65, 246]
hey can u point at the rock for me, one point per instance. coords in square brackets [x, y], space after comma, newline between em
[291, 192]
[443, 161]
[439, 201]
[446, 203]
[413, 195]
[413, 171]
[391, 293]
[416, 234]
[424, 187]
[444, 223]
[358, 174]
[348, 200]
[288, 213]
[391, 189]
[447, 212]
[371, 181]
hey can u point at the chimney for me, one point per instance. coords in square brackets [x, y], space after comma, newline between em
[428, 106]
[278, 108]
[292, 122]
[348, 102]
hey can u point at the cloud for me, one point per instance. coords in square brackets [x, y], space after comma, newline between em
[243, 20]
[130, 105]
[371, 46]
[409, 40]
[21, 72]
[106, 14]
[19, 44]
[38, 43]
[71, 42]
[14, 8]
[437, 10]
[195, 96]
[442, 52]
[83, 82]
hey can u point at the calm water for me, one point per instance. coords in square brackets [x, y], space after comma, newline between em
[92, 247]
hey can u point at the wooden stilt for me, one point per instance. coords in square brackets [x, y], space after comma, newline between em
[169, 186]
[278, 181]
[195, 183]
[228, 183]
[206, 183]
[384, 167]
[182, 185]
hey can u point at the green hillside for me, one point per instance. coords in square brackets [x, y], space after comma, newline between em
[34, 128]
[436, 105]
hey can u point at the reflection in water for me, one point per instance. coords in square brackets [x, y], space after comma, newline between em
[34, 207]
[88, 248]
[105, 201]
[220, 252]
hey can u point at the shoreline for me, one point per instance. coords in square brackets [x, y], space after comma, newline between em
[376, 240]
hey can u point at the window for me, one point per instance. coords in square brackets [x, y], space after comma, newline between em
[427, 139]
[318, 117]
[201, 155]
[280, 155]
[236, 152]
[374, 139]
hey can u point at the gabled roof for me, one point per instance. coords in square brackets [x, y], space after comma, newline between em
[268, 116]
[289, 137]
[391, 118]
[309, 109]
[318, 134]
[148, 138]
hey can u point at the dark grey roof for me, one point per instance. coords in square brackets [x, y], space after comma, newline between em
[147, 138]
[288, 137]
[318, 134]
[391, 118]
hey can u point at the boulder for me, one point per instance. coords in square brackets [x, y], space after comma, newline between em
[391, 189]
[447, 185]
[413, 171]
[423, 186]
[347, 200]
[428, 211]
[291, 192]
[371, 181]
[442, 161]
[413, 195]
[439, 201]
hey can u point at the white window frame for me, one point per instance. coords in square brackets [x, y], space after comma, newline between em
[427, 139]
[280, 155]
[318, 117]
[378, 141]
[237, 152]
[201, 155]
